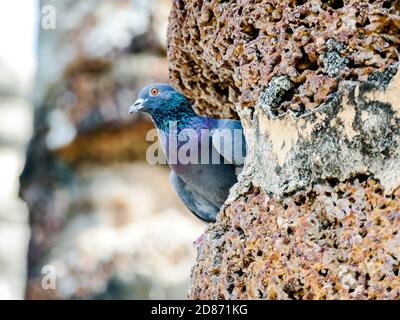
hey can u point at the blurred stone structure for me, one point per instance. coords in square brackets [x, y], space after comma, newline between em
[15, 130]
[16, 71]
[101, 218]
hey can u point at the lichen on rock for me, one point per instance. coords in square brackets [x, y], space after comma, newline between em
[332, 60]
[272, 97]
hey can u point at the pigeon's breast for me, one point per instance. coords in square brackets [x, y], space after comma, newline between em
[191, 155]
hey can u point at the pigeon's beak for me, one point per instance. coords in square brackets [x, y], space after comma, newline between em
[137, 106]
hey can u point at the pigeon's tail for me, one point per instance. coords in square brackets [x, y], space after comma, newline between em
[197, 204]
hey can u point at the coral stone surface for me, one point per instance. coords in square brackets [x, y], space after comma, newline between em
[332, 242]
[224, 54]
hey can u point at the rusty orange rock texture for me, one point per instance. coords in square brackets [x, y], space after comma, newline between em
[223, 54]
[336, 241]
[333, 236]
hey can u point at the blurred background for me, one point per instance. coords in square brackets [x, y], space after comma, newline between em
[96, 221]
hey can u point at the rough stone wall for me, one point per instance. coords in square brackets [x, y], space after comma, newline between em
[315, 214]
[227, 52]
[336, 241]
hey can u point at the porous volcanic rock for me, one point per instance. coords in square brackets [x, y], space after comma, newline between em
[223, 54]
[332, 242]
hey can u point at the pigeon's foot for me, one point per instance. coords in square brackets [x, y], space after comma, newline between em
[198, 241]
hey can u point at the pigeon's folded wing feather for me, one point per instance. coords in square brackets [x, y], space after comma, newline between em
[228, 139]
[197, 204]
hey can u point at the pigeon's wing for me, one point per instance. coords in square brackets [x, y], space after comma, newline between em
[228, 139]
[197, 204]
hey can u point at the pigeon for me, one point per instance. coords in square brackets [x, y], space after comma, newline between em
[205, 154]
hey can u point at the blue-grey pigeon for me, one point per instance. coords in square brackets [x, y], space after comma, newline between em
[217, 145]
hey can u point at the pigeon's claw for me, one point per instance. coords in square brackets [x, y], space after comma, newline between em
[199, 241]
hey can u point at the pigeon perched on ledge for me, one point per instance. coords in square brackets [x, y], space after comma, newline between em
[216, 149]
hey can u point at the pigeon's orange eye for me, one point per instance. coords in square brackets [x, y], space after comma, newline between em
[154, 91]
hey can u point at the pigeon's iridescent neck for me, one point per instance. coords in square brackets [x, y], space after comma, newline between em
[176, 110]
[190, 131]
[179, 125]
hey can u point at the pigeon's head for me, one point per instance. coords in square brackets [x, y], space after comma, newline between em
[162, 102]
